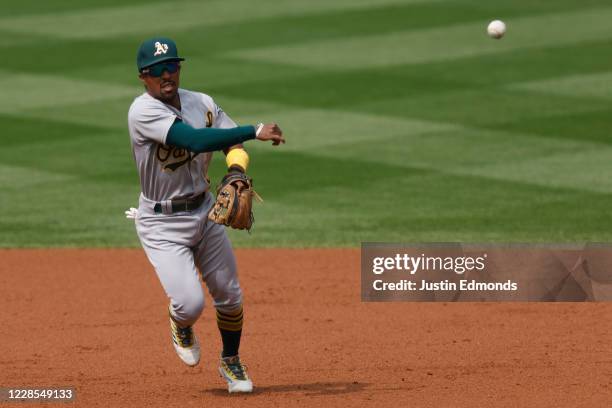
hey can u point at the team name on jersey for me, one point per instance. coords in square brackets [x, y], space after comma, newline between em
[171, 157]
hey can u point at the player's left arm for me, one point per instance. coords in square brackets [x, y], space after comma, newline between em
[236, 158]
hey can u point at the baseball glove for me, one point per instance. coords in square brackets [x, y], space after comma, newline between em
[234, 205]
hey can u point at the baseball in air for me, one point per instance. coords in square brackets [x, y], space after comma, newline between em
[496, 29]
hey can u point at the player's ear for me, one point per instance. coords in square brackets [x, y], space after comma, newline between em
[142, 79]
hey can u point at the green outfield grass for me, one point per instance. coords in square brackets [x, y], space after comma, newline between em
[404, 121]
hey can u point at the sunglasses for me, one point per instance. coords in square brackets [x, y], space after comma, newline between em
[157, 70]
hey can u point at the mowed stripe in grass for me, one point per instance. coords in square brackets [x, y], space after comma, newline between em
[157, 17]
[76, 212]
[322, 22]
[509, 155]
[114, 59]
[27, 91]
[494, 155]
[579, 126]
[102, 115]
[20, 131]
[98, 158]
[449, 90]
[550, 116]
[440, 44]
[12, 176]
[593, 85]
[33, 7]
[206, 41]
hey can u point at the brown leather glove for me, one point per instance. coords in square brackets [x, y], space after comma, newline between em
[234, 205]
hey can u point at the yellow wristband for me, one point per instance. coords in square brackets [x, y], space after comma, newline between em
[237, 157]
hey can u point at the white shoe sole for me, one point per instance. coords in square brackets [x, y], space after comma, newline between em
[236, 386]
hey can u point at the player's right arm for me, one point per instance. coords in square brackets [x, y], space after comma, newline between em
[212, 139]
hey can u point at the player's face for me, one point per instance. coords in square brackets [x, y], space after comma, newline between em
[162, 81]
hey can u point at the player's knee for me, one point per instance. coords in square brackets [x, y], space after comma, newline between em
[225, 289]
[228, 300]
[188, 309]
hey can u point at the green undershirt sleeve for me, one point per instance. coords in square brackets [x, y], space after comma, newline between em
[207, 139]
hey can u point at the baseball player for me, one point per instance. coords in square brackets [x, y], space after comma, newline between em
[173, 133]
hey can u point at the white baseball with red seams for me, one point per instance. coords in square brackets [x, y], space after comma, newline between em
[496, 29]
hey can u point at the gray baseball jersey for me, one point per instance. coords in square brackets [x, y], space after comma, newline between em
[179, 244]
[169, 172]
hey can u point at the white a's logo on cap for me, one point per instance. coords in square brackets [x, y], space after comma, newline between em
[160, 49]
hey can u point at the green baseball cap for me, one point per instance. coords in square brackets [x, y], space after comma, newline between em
[155, 50]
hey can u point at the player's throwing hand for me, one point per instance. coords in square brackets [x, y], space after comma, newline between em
[270, 131]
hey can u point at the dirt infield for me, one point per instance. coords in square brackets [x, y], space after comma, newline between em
[96, 320]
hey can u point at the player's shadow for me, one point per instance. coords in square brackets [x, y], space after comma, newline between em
[313, 389]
